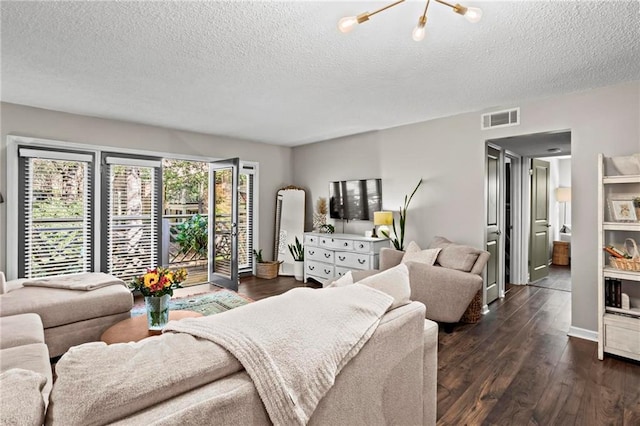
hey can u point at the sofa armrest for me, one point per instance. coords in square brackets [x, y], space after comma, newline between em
[445, 292]
[389, 258]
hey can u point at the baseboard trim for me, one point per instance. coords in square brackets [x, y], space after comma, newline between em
[485, 310]
[583, 333]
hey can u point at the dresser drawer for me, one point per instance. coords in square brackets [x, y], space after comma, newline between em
[336, 243]
[362, 246]
[319, 269]
[317, 253]
[341, 271]
[310, 240]
[353, 260]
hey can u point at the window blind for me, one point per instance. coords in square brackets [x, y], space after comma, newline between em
[245, 220]
[132, 229]
[56, 224]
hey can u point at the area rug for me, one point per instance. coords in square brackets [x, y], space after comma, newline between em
[205, 303]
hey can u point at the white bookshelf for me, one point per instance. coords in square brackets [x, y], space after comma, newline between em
[618, 329]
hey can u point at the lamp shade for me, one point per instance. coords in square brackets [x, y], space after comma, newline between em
[382, 218]
[563, 195]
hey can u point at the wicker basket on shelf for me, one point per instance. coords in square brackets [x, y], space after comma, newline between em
[625, 264]
[632, 264]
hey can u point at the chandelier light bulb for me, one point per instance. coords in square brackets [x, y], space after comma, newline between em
[347, 23]
[473, 14]
[418, 32]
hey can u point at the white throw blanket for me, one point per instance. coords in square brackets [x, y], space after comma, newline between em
[293, 346]
[85, 281]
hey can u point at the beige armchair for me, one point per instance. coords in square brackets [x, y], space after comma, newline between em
[447, 291]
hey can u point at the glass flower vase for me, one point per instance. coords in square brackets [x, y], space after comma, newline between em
[157, 311]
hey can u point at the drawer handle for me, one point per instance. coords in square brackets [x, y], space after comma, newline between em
[326, 271]
[346, 244]
[324, 241]
[341, 257]
[361, 261]
[311, 252]
[311, 267]
[327, 255]
[361, 245]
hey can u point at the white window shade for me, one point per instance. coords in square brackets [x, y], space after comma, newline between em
[55, 229]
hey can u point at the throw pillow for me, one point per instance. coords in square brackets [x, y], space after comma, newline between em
[394, 282]
[455, 256]
[344, 280]
[415, 254]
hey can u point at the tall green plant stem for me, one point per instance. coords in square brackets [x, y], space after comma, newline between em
[398, 243]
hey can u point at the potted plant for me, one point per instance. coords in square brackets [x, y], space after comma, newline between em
[267, 269]
[297, 251]
[398, 239]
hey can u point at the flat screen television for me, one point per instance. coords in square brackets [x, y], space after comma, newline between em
[355, 199]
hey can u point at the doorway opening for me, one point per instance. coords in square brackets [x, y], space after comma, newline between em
[532, 171]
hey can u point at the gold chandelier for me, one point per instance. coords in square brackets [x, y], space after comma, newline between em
[472, 14]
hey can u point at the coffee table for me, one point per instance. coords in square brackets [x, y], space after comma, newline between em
[135, 329]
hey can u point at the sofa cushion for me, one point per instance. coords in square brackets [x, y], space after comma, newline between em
[33, 357]
[394, 282]
[3, 283]
[21, 402]
[455, 256]
[59, 307]
[414, 253]
[18, 330]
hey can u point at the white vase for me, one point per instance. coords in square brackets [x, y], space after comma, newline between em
[298, 270]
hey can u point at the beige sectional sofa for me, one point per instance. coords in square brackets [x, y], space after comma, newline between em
[392, 380]
[69, 317]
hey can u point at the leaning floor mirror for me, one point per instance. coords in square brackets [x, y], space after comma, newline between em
[289, 225]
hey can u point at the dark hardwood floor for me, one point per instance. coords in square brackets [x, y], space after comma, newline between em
[559, 278]
[517, 366]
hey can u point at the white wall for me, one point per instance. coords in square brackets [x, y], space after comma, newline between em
[449, 153]
[274, 161]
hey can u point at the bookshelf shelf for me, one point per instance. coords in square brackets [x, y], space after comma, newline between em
[618, 329]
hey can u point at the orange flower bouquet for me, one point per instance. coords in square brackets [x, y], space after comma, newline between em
[159, 281]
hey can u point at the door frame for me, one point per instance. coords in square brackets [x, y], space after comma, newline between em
[520, 190]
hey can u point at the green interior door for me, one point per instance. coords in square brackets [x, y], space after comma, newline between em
[493, 228]
[539, 243]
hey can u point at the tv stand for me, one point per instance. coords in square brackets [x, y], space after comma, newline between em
[329, 256]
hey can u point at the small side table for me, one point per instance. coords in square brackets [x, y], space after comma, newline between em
[135, 329]
[560, 253]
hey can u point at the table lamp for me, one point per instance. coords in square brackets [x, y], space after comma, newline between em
[563, 195]
[382, 220]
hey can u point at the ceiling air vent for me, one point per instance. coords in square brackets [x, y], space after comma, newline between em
[492, 120]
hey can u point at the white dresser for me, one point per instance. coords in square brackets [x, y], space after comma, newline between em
[330, 256]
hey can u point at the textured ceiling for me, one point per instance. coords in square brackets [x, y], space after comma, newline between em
[281, 73]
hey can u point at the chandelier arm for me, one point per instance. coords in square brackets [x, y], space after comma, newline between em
[424, 14]
[386, 7]
[456, 7]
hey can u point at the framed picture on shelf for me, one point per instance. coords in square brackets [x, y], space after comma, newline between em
[623, 210]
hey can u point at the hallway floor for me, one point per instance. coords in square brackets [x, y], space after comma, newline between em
[559, 279]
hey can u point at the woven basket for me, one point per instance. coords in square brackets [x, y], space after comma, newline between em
[632, 264]
[474, 310]
[267, 270]
[624, 264]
